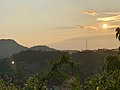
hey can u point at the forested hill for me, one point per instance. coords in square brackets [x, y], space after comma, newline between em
[29, 62]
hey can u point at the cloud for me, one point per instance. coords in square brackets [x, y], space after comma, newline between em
[113, 13]
[78, 27]
[89, 12]
[112, 18]
[66, 27]
[88, 27]
[113, 26]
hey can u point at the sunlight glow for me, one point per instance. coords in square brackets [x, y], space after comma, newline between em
[105, 26]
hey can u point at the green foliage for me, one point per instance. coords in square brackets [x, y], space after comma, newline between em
[62, 69]
[37, 82]
[111, 63]
[2, 85]
[7, 86]
[110, 77]
[33, 83]
[75, 83]
[31, 62]
[118, 33]
[92, 83]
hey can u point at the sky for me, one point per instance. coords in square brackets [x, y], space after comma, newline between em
[53, 22]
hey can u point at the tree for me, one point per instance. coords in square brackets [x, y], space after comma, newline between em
[110, 77]
[7, 86]
[117, 33]
[75, 83]
[55, 71]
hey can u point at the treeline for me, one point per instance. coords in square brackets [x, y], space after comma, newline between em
[28, 63]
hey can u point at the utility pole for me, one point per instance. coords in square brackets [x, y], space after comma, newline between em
[86, 44]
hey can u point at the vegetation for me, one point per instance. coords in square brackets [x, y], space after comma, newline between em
[109, 79]
[118, 33]
[28, 63]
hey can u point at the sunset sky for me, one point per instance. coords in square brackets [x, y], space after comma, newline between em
[53, 22]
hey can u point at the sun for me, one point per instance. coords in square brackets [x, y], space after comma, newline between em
[105, 26]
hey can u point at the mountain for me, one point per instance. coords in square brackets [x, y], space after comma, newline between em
[9, 47]
[42, 48]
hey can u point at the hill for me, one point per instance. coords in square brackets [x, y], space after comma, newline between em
[42, 48]
[30, 62]
[9, 47]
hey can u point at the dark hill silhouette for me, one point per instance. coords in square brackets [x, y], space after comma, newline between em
[42, 48]
[9, 47]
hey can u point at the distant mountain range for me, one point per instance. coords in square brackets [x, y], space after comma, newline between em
[9, 47]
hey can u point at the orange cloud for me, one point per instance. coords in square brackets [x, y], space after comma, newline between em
[88, 27]
[89, 12]
[113, 13]
[79, 26]
[113, 26]
[112, 18]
